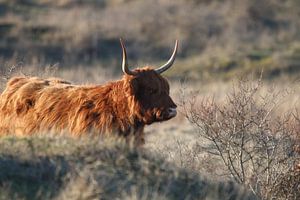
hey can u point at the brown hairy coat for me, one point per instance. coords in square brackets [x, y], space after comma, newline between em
[30, 105]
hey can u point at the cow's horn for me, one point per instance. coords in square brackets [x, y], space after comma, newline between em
[170, 61]
[125, 68]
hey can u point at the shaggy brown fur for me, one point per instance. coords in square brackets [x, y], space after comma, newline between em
[31, 105]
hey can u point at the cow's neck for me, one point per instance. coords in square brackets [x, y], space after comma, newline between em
[121, 105]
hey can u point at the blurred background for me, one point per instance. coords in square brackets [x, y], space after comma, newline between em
[219, 39]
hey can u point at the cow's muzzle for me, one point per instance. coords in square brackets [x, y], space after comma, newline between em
[172, 112]
[163, 115]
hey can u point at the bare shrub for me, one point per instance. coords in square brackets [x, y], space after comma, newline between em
[254, 144]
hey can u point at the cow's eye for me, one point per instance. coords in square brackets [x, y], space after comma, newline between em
[152, 91]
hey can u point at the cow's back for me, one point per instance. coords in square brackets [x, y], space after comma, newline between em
[21, 100]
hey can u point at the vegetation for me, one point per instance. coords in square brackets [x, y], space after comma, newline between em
[218, 38]
[252, 143]
[66, 168]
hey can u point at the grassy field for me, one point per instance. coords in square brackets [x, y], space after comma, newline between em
[64, 168]
[238, 63]
[218, 39]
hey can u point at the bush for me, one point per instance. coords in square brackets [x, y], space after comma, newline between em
[255, 145]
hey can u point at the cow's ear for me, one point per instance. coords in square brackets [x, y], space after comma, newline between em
[135, 86]
[132, 87]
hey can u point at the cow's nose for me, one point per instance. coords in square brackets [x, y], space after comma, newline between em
[172, 112]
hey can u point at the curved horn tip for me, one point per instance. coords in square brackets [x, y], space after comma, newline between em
[125, 68]
[122, 42]
[170, 62]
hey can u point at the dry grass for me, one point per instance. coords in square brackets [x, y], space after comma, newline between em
[99, 168]
[217, 38]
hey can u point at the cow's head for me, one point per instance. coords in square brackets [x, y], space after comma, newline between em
[149, 91]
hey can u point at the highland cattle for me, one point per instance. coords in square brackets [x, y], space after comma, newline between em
[31, 105]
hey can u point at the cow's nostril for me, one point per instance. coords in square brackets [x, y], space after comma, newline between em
[172, 109]
[172, 112]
